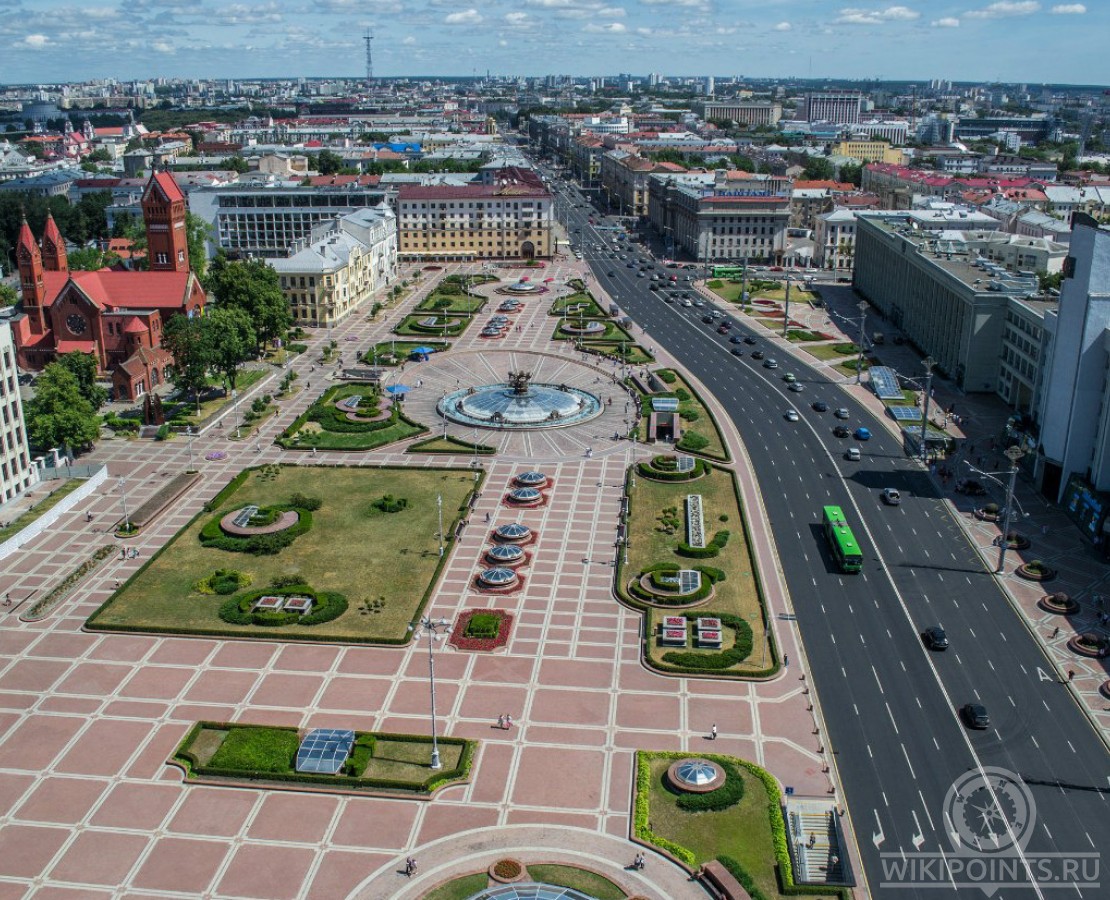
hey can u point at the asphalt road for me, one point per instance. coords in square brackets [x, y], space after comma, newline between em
[890, 704]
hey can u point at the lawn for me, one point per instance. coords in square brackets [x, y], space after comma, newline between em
[186, 409]
[377, 761]
[612, 332]
[737, 595]
[351, 549]
[64, 487]
[454, 303]
[633, 353]
[591, 311]
[742, 831]
[460, 888]
[729, 291]
[824, 351]
[410, 325]
[589, 883]
[324, 427]
[698, 423]
[393, 353]
[450, 444]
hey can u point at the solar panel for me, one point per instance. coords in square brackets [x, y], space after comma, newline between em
[325, 750]
[685, 464]
[884, 382]
[905, 413]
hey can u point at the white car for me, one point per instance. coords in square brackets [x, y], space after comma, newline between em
[792, 415]
[687, 303]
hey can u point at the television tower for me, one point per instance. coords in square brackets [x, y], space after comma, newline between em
[369, 39]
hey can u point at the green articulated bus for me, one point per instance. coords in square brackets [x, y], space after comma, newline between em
[728, 271]
[842, 542]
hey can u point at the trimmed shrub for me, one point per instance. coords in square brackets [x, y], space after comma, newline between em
[326, 606]
[211, 535]
[483, 625]
[693, 442]
[667, 376]
[390, 504]
[728, 794]
[726, 659]
[300, 501]
[223, 582]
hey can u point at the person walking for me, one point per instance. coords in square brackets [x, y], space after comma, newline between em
[713, 732]
[508, 722]
[501, 721]
[1056, 631]
[410, 867]
[1071, 674]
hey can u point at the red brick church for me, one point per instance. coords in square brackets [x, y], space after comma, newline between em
[116, 315]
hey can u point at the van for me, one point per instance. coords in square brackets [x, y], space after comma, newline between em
[852, 454]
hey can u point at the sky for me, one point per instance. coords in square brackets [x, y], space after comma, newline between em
[1030, 41]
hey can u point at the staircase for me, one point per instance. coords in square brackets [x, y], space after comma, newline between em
[813, 833]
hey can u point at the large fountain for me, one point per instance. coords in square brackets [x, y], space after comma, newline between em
[519, 404]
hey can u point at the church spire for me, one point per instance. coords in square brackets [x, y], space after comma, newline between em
[53, 247]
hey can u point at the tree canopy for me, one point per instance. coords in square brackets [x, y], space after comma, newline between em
[230, 340]
[185, 338]
[252, 286]
[59, 415]
[83, 367]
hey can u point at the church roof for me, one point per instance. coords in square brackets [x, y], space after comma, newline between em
[168, 186]
[110, 289]
[51, 232]
[27, 239]
[135, 326]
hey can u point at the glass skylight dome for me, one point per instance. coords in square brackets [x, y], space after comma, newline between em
[697, 772]
[525, 495]
[531, 479]
[505, 553]
[514, 531]
[498, 577]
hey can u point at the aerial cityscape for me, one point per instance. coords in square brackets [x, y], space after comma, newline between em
[454, 456]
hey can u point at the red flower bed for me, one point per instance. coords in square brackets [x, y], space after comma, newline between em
[460, 641]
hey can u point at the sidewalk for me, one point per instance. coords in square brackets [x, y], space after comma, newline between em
[980, 435]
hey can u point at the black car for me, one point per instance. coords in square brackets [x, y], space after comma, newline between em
[975, 715]
[757, 354]
[736, 339]
[820, 406]
[842, 431]
[612, 274]
[737, 351]
[708, 320]
[749, 340]
[935, 638]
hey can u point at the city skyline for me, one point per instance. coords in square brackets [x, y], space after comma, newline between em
[1058, 42]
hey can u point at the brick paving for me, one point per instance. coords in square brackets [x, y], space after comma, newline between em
[89, 808]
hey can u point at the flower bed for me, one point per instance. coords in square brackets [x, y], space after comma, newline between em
[461, 641]
[1059, 603]
[57, 594]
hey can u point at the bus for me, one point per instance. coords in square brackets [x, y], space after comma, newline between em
[729, 271]
[842, 542]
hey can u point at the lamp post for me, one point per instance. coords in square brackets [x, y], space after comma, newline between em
[862, 306]
[235, 411]
[1013, 454]
[439, 514]
[928, 362]
[123, 502]
[786, 312]
[191, 433]
[435, 630]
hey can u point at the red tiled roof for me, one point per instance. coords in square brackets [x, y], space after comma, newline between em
[110, 289]
[135, 325]
[169, 187]
[86, 346]
[840, 186]
[360, 180]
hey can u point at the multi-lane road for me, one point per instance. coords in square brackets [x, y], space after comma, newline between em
[891, 705]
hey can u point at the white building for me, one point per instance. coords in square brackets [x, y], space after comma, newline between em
[16, 471]
[1074, 400]
[834, 239]
[838, 108]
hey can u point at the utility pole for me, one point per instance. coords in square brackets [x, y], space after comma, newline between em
[1013, 454]
[862, 321]
[439, 513]
[786, 317]
[928, 362]
[368, 37]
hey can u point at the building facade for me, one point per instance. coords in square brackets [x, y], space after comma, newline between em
[742, 112]
[512, 218]
[834, 239]
[869, 151]
[16, 470]
[842, 108]
[347, 261]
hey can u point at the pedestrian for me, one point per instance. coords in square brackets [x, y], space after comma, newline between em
[410, 867]
[487, 518]
[1044, 530]
[8, 599]
[501, 721]
[257, 448]
[88, 517]
[313, 451]
[812, 840]
[786, 659]
[122, 553]
[1056, 631]
[1071, 674]
[713, 732]
[117, 584]
[508, 721]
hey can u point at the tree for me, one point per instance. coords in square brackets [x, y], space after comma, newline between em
[99, 155]
[83, 367]
[196, 235]
[817, 168]
[59, 415]
[89, 259]
[8, 295]
[328, 163]
[253, 287]
[187, 339]
[238, 164]
[231, 341]
[852, 173]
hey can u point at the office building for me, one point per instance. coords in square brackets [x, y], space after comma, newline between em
[869, 151]
[16, 471]
[742, 112]
[834, 239]
[343, 264]
[842, 108]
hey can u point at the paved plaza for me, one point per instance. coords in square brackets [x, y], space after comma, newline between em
[89, 808]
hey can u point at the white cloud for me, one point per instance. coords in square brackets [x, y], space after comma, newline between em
[644, 31]
[611, 12]
[611, 28]
[1069, 9]
[162, 47]
[1004, 8]
[783, 26]
[516, 18]
[37, 41]
[855, 16]
[409, 41]
[686, 3]
[467, 17]
[946, 22]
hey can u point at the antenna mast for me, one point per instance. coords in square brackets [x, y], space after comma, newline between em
[368, 37]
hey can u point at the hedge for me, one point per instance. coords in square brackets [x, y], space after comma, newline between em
[327, 605]
[726, 659]
[704, 590]
[713, 548]
[184, 757]
[728, 794]
[467, 446]
[650, 471]
[641, 827]
[212, 535]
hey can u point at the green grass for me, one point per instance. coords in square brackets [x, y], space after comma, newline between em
[849, 367]
[456, 325]
[590, 883]
[256, 750]
[613, 332]
[634, 354]
[40, 508]
[330, 432]
[737, 595]
[704, 424]
[186, 409]
[453, 303]
[402, 348]
[742, 831]
[824, 351]
[349, 549]
[400, 760]
[449, 444]
[729, 292]
[399, 430]
[592, 310]
[459, 888]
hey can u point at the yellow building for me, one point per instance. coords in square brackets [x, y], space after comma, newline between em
[869, 151]
[509, 217]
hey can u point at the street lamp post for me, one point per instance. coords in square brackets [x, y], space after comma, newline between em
[439, 513]
[928, 363]
[786, 315]
[435, 630]
[123, 502]
[862, 306]
[189, 431]
[235, 412]
[1013, 454]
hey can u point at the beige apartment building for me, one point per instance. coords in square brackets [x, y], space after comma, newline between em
[512, 217]
[344, 263]
[870, 151]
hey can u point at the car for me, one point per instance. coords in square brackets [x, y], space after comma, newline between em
[737, 351]
[639, 274]
[612, 274]
[820, 406]
[630, 265]
[667, 298]
[655, 277]
[687, 303]
[970, 487]
[792, 415]
[612, 256]
[655, 287]
[690, 266]
[749, 340]
[685, 293]
[852, 454]
[672, 265]
[650, 266]
[674, 278]
[890, 497]
[863, 434]
[841, 431]
[700, 304]
[796, 387]
[771, 363]
[935, 638]
[722, 329]
[708, 320]
[841, 413]
[789, 377]
[975, 715]
[736, 339]
[756, 354]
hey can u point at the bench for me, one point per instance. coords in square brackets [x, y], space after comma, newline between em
[721, 882]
